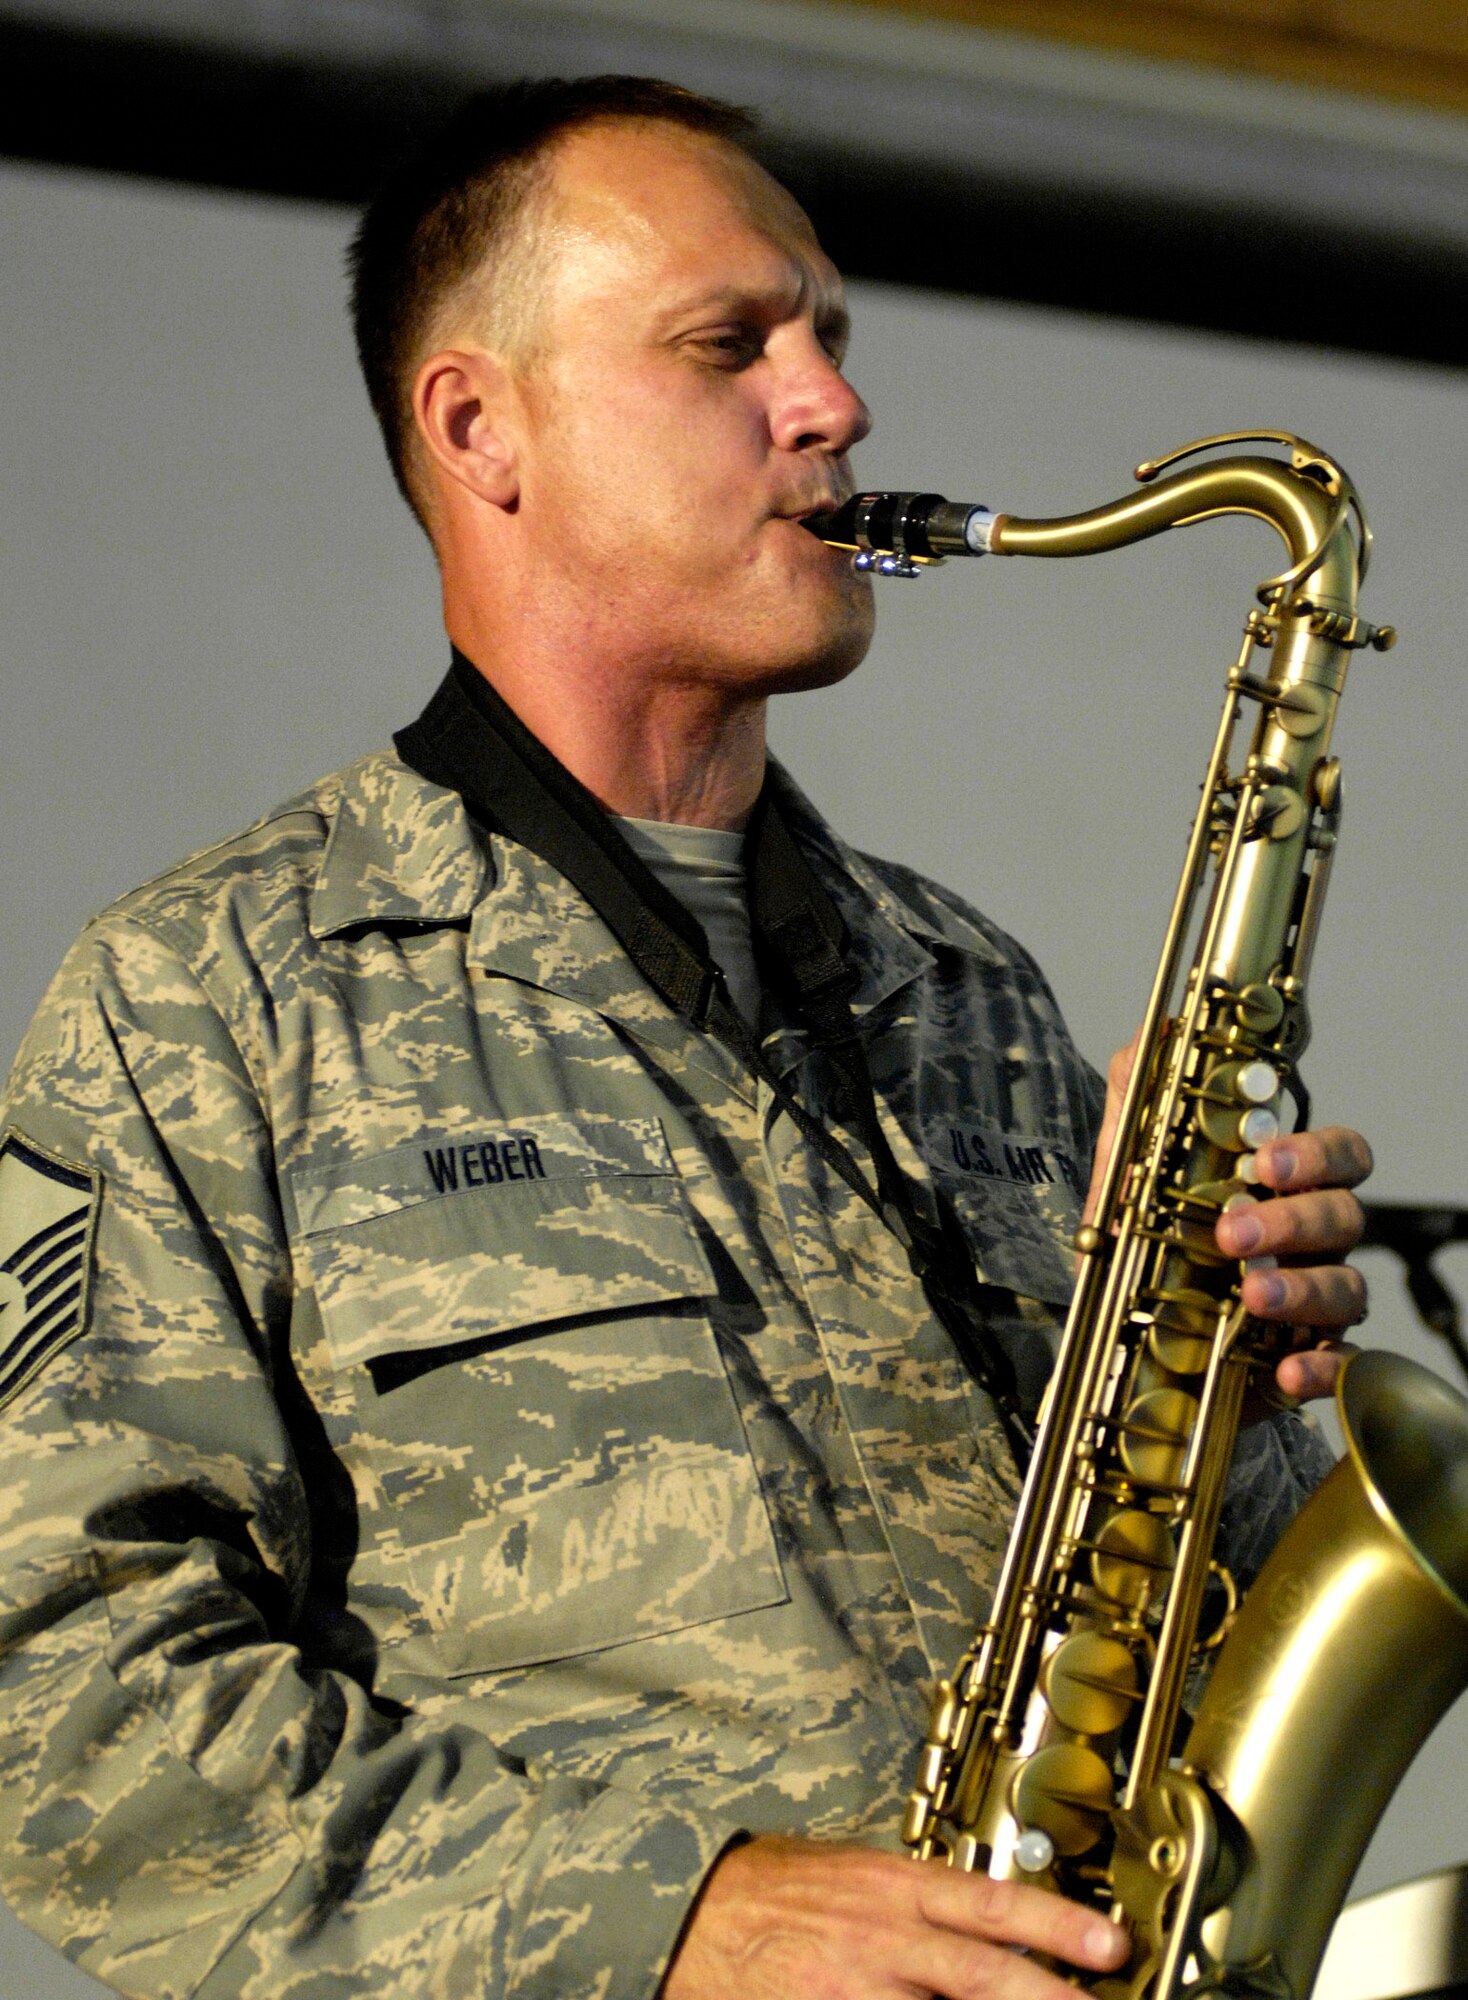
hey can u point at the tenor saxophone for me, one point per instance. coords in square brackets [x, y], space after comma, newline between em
[1059, 1751]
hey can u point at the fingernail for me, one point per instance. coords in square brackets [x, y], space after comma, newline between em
[1103, 1942]
[1246, 1232]
[1274, 1293]
[1283, 1161]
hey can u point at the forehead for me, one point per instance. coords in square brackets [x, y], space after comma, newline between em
[643, 210]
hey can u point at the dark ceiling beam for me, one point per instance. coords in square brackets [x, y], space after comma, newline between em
[978, 164]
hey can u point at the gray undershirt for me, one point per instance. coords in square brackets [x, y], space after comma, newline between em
[703, 866]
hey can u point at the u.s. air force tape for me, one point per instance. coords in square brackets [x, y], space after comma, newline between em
[48, 1211]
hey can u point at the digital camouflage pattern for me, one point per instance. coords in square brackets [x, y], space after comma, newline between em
[499, 1463]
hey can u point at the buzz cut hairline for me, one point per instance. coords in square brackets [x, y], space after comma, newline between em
[458, 224]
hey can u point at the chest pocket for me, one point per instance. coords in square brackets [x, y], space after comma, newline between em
[1019, 1203]
[544, 1416]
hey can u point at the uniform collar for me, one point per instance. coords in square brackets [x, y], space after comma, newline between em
[892, 919]
[399, 850]
[403, 850]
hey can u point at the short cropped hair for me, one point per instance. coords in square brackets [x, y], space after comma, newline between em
[461, 211]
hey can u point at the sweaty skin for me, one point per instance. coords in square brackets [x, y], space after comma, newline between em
[618, 527]
[633, 497]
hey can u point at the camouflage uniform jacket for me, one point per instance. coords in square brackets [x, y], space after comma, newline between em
[466, 1457]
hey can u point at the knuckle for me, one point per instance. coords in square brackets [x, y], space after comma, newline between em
[988, 1972]
[1331, 1296]
[1328, 1221]
[1345, 1291]
[1294, 1297]
[1316, 1304]
[993, 1903]
[1286, 1224]
[1347, 1155]
[1351, 1217]
[983, 1972]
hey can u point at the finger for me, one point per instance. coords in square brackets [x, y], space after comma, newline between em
[1325, 1295]
[1118, 1076]
[1335, 1156]
[1119, 1069]
[959, 1968]
[1014, 1913]
[1313, 1372]
[1325, 1223]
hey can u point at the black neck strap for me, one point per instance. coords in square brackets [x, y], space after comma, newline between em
[471, 742]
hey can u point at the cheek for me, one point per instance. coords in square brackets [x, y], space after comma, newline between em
[680, 432]
[669, 476]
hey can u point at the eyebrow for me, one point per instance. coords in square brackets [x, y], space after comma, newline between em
[831, 318]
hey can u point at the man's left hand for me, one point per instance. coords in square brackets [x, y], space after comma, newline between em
[1296, 1241]
[1310, 1226]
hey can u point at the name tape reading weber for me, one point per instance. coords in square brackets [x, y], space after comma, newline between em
[484, 1162]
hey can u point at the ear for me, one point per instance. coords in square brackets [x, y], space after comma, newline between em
[463, 404]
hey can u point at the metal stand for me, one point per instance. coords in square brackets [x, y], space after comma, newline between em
[1406, 1943]
[1415, 1231]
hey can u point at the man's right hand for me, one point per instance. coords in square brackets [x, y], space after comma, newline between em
[782, 1919]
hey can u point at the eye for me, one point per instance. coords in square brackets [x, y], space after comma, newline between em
[731, 346]
[835, 339]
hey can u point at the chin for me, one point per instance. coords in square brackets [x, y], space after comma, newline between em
[810, 637]
[839, 647]
[819, 670]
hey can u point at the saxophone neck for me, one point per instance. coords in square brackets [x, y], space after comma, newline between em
[1309, 500]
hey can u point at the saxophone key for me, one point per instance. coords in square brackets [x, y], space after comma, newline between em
[1091, 1683]
[944, 1715]
[1214, 1196]
[1238, 1105]
[932, 1765]
[1257, 1127]
[1277, 813]
[1033, 1851]
[1154, 1437]
[1065, 1791]
[1259, 1007]
[1132, 1558]
[1183, 1328]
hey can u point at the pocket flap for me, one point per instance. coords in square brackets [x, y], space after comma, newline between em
[461, 1237]
[1019, 1200]
[552, 1147]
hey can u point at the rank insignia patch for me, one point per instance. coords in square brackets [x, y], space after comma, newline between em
[48, 1209]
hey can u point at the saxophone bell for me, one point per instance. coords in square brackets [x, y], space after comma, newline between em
[1313, 1712]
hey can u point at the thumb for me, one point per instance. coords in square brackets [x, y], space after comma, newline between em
[1118, 1076]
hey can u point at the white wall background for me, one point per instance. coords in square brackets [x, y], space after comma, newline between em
[211, 593]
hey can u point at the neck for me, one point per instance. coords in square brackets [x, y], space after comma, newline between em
[645, 743]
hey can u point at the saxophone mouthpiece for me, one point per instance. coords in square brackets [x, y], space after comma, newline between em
[894, 534]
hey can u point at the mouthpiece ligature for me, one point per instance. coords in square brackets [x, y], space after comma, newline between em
[900, 534]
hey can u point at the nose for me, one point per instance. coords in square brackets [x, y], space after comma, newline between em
[817, 407]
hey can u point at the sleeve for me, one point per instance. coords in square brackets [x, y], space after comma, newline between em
[1278, 1463]
[199, 1794]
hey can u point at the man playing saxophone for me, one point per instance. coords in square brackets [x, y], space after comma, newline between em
[523, 1271]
